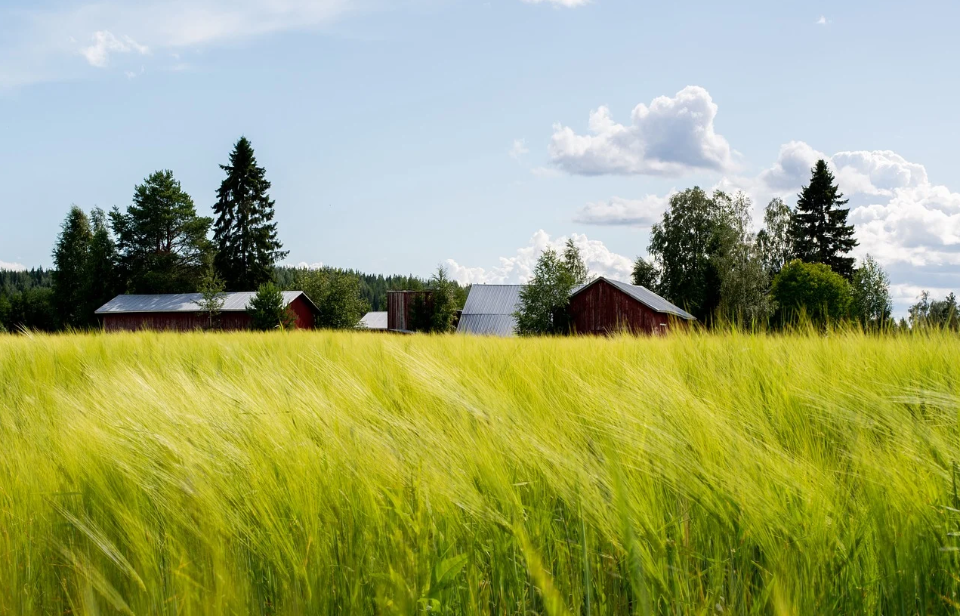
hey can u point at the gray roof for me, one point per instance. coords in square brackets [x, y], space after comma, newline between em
[644, 296]
[489, 310]
[186, 302]
[374, 320]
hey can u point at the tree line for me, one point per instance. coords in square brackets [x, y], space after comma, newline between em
[160, 244]
[706, 259]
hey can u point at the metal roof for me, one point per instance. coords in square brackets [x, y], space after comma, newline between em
[187, 302]
[503, 325]
[644, 296]
[489, 310]
[374, 320]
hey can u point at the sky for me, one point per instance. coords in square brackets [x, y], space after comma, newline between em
[400, 135]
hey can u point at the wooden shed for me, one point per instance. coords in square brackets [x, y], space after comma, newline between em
[606, 306]
[182, 312]
[400, 308]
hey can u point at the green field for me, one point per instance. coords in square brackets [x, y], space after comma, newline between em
[322, 473]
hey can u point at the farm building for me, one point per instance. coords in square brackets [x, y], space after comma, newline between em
[182, 312]
[489, 310]
[374, 321]
[606, 306]
[600, 307]
[400, 308]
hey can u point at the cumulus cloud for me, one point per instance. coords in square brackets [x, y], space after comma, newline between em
[105, 44]
[624, 212]
[672, 136]
[822, 21]
[518, 269]
[519, 149]
[793, 165]
[12, 267]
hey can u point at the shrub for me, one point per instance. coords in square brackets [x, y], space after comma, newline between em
[267, 309]
[811, 291]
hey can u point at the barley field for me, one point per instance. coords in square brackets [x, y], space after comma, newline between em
[326, 473]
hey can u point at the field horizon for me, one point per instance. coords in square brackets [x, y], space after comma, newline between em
[322, 472]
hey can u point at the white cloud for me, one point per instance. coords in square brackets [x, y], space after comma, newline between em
[619, 211]
[519, 268]
[519, 149]
[45, 39]
[822, 21]
[793, 165]
[671, 137]
[564, 3]
[105, 43]
[12, 267]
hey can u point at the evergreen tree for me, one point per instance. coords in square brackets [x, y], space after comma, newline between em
[70, 258]
[102, 282]
[161, 241]
[819, 229]
[268, 311]
[244, 232]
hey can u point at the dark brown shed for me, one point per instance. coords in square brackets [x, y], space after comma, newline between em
[606, 306]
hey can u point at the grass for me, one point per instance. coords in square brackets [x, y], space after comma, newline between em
[320, 473]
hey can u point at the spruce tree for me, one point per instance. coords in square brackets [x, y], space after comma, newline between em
[102, 279]
[70, 256]
[819, 226]
[244, 232]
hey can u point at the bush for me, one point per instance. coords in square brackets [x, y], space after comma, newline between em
[268, 311]
[811, 291]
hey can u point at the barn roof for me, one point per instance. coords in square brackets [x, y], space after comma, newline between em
[374, 320]
[489, 310]
[187, 302]
[643, 295]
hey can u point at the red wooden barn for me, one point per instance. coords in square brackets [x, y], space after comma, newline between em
[606, 306]
[400, 308]
[182, 312]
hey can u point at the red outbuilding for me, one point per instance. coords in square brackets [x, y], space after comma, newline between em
[606, 306]
[183, 312]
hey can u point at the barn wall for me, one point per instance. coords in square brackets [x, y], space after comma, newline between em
[605, 309]
[305, 316]
[172, 321]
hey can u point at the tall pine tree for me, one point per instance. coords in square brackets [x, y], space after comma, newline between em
[819, 227]
[70, 257]
[244, 231]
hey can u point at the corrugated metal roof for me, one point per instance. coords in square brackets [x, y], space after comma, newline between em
[493, 299]
[644, 296]
[374, 320]
[185, 302]
[489, 310]
[503, 325]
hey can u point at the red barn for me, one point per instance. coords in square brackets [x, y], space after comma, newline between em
[182, 312]
[606, 306]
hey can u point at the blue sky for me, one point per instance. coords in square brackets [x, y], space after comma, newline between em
[400, 135]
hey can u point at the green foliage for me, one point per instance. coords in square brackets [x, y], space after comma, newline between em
[871, 304]
[574, 264]
[686, 246]
[545, 298]
[819, 226]
[212, 291]
[26, 300]
[343, 473]
[775, 240]
[645, 274]
[744, 283]
[268, 311]
[373, 287]
[336, 294]
[811, 291]
[70, 258]
[161, 241]
[935, 314]
[103, 282]
[245, 233]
